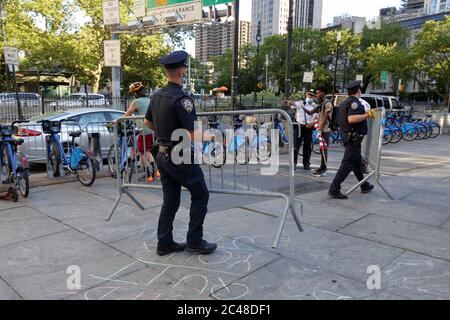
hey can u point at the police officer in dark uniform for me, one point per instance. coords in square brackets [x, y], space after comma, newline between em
[172, 109]
[353, 125]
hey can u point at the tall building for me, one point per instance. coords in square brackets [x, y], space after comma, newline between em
[437, 6]
[273, 15]
[355, 24]
[212, 41]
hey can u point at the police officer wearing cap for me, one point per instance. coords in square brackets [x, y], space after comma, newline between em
[172, 109]
[353, 125]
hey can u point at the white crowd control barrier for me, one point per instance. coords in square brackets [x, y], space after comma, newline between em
[242, 159]
[371, 150]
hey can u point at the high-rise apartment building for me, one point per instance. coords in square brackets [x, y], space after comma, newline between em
[212, 41]
[273, 15]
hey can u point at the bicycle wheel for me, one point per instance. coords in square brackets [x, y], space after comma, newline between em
[24, 184]
[87, 172]
[264, 150]
[315, 147]
[397, 135]
[387, 136]
[422, 131]
[242, 152]
[410, 133]
[435, 130]
[55, 159]
[112, 161]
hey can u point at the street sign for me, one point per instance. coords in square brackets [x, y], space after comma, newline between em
[384, 76]
[111, 12]
[139, 9]
[112, 53]
[308, 77]
[359, 77]
[11, 55]
[178, 11]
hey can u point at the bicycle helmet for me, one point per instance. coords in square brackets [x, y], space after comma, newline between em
[135, 87]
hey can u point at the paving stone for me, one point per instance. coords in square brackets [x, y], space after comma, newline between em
[319, 214]
[434, 200]
[400, 209]
[21, 224]
[205, 274]
[417, 277]
[6, 293]
[37, 269]
[446, 225]
[410, 236]
[286, 279]
[333, 251]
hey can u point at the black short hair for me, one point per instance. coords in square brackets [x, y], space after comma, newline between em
[322, 89]
[353, 91]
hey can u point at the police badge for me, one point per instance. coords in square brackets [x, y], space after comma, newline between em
[187, 104]
[354, 106]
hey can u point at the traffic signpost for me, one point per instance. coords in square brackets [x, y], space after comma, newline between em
[384, 78]
[111, 12]
[11, 55]
[308, 77]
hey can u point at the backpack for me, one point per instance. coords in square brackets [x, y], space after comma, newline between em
[334, 122]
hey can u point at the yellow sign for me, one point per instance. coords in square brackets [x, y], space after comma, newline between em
[260, 85]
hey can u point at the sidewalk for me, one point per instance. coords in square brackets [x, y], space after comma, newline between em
[409, 239]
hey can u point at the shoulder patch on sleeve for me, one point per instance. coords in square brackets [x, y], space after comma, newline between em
[354, 106]
[187, 104]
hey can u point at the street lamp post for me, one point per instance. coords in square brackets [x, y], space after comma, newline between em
[290, 29]
[338, 41]
[267, 71]
[258, 41]
[234, 85]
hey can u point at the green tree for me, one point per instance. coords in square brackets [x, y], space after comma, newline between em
[432, 54]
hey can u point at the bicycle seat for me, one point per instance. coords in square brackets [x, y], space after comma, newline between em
[75, 134]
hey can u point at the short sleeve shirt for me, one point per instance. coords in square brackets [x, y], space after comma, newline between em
[324, 115]
[356, 108]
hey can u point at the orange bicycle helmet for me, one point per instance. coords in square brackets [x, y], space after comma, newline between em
[135, 87]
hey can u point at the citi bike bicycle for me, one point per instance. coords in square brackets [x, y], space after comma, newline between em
[75, 160]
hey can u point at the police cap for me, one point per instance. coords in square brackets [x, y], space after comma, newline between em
[354, 85]
[174, 60]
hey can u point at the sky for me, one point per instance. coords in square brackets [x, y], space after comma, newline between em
[331, 8]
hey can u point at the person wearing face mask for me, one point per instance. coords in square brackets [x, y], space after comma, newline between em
[305, 113]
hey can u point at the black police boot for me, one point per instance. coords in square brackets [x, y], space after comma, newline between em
[368, 189]
[202, 248]
[175, 247]
[337, 195]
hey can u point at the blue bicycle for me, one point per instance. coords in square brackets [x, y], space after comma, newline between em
[127, 132]
[214, 152]
[78, 160]
[14, 164]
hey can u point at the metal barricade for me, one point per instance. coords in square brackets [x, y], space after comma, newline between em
[217, 176]
[371, 150]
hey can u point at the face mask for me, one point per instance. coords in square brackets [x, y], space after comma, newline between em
[309, 100]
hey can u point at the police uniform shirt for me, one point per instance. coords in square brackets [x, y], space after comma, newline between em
[356, 108]
[171, 109]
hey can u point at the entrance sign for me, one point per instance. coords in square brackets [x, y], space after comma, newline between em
[181, 12]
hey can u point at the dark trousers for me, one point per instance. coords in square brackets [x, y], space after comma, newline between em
[306, 138]
[352, 162]
[324, 153]
[173, 177]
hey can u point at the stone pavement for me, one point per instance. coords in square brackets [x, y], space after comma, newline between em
[61, 228]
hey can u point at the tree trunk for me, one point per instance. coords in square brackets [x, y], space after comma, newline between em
[97, 75]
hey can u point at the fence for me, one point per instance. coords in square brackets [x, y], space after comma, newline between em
[32, 106]
[28, 108]
[245, 173]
